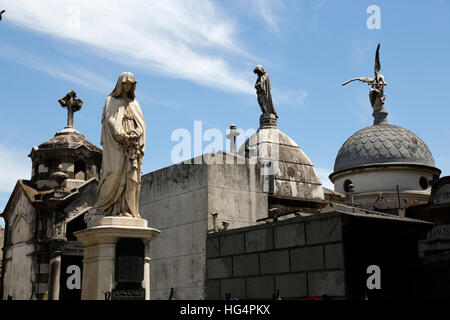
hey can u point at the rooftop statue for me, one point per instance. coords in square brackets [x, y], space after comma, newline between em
[376, 94]
[262, 87]
[123, 141]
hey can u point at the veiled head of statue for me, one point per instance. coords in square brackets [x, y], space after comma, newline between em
[259, 69]
[125, 77]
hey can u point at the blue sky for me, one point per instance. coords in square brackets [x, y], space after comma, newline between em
[194, 60]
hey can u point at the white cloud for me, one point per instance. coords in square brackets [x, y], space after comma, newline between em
[289, 97]
[267, 9]
[14, 165]
[323, 175]
[60, 70]
[180, 38]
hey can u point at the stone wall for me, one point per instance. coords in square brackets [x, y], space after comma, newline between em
[300, 257]
[179, 200]
[235, 194]
[19, 248]
[174, 201]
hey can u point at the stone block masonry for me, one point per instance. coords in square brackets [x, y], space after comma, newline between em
[300, 257]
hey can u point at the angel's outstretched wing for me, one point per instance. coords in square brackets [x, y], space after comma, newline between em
[362, 79]
[377, 67]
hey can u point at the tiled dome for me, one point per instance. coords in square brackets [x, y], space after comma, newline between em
[383, 143]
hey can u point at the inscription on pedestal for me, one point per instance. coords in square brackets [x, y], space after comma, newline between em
[128, 294]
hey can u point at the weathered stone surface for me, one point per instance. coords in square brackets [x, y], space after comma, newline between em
[191, 293]
[179, 240]
[235, 176]
[289, 235]
[259, 240]
[297, 189]
[232, 244]
[334, 256]
[323, 230]
[18, 254]
[72, 140]
[182, 271]
[213, 289]
[173, 180]
[274, 261]
[302, 173]
[184, 208]
[230, 204]
[212, 247]
[179, 201]
[270, 144]
[260, 287]
[307, 258]
[234, 287]
[219, 268]
[291, 285]
[159, 211]
[245, 265]
[331, 283]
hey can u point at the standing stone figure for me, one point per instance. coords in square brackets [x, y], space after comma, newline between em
[376, 94]
[123, 141]
[263, 91]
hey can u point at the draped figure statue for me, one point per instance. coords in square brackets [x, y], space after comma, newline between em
[263, 91]
[123, 142]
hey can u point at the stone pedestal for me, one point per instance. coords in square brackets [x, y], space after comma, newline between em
[99, 262]
[267, 121]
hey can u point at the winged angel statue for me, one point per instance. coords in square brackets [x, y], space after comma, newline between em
[376, 94]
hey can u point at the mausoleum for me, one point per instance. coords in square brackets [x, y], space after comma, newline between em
[43, 213]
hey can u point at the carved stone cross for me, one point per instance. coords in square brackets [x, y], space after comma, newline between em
[232, 136]
[72, 104]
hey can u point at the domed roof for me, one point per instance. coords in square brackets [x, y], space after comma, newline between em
[288, 150]
[68, 138]
[383, 143]
[294, 173]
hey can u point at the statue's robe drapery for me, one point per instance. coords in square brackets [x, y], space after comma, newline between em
[376, 96]
[264, 95]
[120, 176]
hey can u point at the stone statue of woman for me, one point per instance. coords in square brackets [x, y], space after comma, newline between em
[123, 141]
[263, 91]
